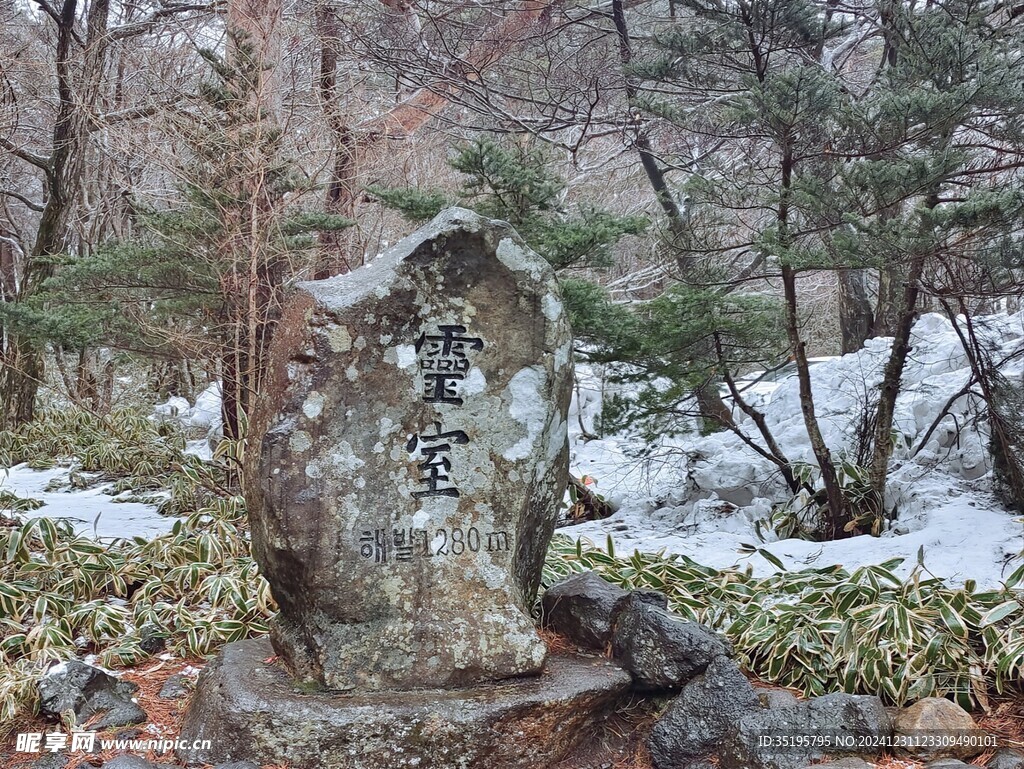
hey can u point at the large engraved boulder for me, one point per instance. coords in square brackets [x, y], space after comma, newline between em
[410, 455]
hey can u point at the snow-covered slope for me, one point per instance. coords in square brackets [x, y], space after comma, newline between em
[701, 497]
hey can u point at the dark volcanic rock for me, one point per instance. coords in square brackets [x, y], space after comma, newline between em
[661, 650]
[696, 720]
[88, 691]
[152, 639]
[252, 711]
[839, 717]
[1006, 758]
[176, 687]
[581, 608]
[649, 597]
[408, 458]
[777, 698]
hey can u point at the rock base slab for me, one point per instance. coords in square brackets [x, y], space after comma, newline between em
[252, 711]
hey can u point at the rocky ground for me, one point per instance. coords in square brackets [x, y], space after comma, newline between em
[690, 707]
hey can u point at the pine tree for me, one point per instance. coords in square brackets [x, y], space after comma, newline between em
[515, 183]
[205, 277]
[820, 167]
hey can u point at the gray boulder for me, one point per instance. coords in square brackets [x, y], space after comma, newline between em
[88, 691]
[1006, 758]
[409, 455]
[841, 718]
[777, 698]
[940, 717]
[176, 687]
[581, 608]
[696, 720]
[660, 650]
[946, 763]
[252, 711]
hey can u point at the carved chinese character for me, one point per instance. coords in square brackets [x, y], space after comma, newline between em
[444, 362]
[435, 466]
[440, 388]
[447, 344]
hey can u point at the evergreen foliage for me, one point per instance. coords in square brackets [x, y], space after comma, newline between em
[181, 287]
[515, 183]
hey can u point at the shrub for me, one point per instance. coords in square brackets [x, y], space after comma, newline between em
[864, 631]
[63, 595]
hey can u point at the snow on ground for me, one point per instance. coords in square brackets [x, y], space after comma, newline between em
[94, 512]
[91, 511]
[701, 496]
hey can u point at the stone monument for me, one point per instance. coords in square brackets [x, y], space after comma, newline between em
[405, 469]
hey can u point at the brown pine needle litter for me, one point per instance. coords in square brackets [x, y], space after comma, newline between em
[619, 742]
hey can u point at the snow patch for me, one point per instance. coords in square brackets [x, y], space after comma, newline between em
[91, 512]
[206, 412]
[701, 496]
[527, 407]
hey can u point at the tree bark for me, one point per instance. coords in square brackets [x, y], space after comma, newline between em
[855, 316]
[891, 279]
[713, 411]
[253, 276]
[838, 509]
[892, 377]
[77, 99]
[342, 188]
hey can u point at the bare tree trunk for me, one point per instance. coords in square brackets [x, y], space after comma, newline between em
[838, 515]
[838, 512]
[252, 283]
[893, 375]
[88, 393]
[8, 267]
[341, 188]
[890, 295]
[63, 169]
[107, 389]
[855, 317]
[714, 413]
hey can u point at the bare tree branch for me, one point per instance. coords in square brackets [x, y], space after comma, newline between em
[18, 196]
[166, 12]
[29, 157]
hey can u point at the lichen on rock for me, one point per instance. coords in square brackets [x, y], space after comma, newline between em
[403, 492]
